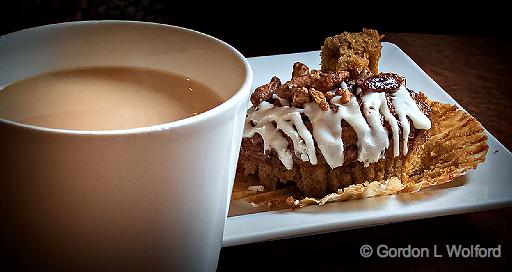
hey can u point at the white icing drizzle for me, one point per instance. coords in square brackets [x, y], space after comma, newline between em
[406, 107]
[351, 113]
[377, 140]
[372, 135]
[327, 132]
[289, 121]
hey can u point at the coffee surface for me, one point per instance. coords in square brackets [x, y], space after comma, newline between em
[104, 98]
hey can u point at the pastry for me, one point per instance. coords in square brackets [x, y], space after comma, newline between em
[348, 131]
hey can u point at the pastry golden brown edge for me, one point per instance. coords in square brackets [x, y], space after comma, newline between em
[455, 143]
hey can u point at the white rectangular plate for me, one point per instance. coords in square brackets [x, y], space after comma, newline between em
[489, 186]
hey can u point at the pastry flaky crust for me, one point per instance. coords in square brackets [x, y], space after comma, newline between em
[455, 143]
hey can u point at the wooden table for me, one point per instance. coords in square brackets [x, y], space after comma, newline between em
[475, 71]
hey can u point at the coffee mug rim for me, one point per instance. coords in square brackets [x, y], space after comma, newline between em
[236, 98]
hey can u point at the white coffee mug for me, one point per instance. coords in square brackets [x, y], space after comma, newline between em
[140, 199]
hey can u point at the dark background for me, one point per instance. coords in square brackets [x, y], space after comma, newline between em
[263, 28]
[271, 27]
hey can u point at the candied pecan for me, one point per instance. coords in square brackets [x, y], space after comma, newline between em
[302, 81]
[383, 82]
[276, 102]
[300, 96]
[299, 69]
[360, 74]
[327, 82]
[320, 81]
[265, 92]
[328, 95]
[356, 71]
[345, 96]
[284, 91]
[319, 99]
[315, 74]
